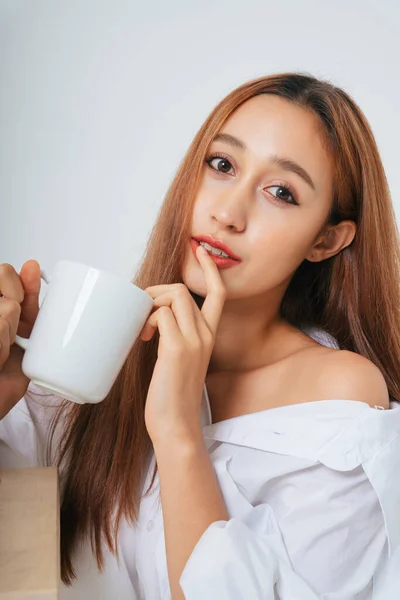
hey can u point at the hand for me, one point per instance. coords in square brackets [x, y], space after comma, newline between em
[187, 337]
[19, 307]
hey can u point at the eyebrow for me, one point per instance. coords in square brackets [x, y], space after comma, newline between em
[286, 163]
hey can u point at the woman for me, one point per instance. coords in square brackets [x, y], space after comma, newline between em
[250, 445]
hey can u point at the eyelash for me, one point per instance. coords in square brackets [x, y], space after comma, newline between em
[280, 184]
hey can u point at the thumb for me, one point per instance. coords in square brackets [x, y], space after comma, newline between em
[30, 278]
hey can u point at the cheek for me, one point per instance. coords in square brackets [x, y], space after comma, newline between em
[277, 254]
[201, 207]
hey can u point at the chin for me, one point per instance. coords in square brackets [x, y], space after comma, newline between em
[196, 288]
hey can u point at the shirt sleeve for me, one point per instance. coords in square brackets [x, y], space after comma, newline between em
[24, 430]
[323, 538]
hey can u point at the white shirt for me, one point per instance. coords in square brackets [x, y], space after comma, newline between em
[312, 492]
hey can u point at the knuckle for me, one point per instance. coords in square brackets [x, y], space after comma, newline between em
[15, 288]
[6, 269]
[182, 289]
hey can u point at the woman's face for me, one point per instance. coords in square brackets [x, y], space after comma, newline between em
[268, 214]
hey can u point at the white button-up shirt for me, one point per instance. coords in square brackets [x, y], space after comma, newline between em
[312, 492]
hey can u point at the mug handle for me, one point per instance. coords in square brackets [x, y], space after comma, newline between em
[24, 342]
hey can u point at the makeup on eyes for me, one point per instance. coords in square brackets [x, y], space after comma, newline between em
[280, 184]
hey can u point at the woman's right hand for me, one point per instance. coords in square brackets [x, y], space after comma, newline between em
[19, 307]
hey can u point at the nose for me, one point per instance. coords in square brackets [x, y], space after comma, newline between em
[229, 210]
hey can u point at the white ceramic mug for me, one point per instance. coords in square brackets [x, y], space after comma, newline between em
[87, 323]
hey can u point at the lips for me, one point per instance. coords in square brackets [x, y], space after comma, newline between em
[216, 243]
[220, 261]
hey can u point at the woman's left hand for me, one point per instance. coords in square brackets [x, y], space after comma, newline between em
[187, 336]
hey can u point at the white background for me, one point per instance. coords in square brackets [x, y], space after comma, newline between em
[100, 100]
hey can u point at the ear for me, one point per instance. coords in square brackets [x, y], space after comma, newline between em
[332, 241]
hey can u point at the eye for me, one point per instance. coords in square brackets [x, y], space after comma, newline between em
[285, 194]
[223, 165]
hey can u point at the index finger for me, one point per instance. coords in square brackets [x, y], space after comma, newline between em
[216, 292]
[30, 279]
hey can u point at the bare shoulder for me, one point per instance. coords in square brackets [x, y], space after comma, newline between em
[346, 375]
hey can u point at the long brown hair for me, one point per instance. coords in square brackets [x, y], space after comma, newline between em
[353, 295]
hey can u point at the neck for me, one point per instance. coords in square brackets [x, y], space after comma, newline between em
[250, 336]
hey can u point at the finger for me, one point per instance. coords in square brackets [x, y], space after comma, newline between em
[165, 322]
[30, 277]
[156, 290]
[216, 292]
[186, 313]
[5, 341]
[10, 284]
[10, 312]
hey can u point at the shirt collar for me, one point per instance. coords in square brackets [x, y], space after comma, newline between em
[339, 433]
